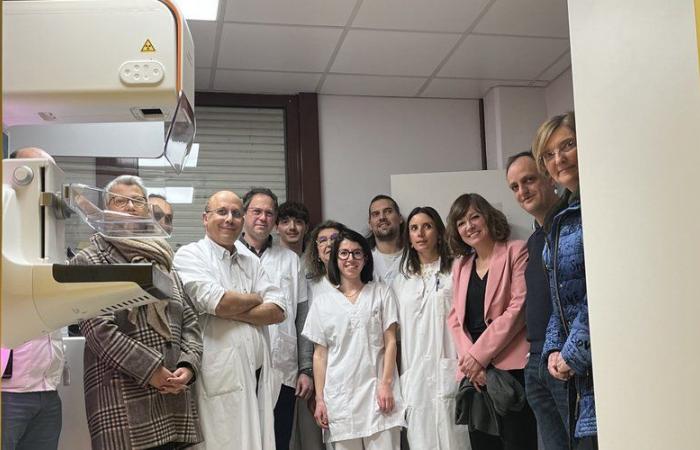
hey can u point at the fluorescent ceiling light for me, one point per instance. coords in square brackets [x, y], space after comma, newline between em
[190, 161]
[199, 9]
[174, 194]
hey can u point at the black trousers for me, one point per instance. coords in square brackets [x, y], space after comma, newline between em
[588, 443]
[284, 417]
[518, 429]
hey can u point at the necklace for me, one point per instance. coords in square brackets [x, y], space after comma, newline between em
[351, 294]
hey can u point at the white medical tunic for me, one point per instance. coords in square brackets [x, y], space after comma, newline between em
[316, 288]
[386, 265]
[232, 413]
[428, 360]
[284, 269]
[354, 337]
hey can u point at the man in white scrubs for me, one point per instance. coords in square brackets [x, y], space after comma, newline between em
[284, 269]
[235, 300]
[385, 237]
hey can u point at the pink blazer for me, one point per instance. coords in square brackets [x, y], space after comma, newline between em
[503, 344]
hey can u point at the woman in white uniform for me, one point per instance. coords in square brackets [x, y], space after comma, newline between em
[307, 435]
[428, 355]
[353, 326]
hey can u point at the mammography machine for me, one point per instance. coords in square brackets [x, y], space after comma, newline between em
[84, 63]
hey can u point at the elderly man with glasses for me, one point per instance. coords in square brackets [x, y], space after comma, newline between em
[140, 362]
[236, 300]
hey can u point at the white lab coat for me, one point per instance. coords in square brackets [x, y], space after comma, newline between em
[354, 336]
[232, 414]
[284, 270]
[428, 360]
[386, 265]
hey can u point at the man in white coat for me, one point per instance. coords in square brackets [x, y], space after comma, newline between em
[235, 300]
[385, 237]
[284, 269]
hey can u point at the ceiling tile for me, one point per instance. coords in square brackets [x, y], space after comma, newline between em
[557, 68]
[392, 52]
[204, 37]
[452, 88]
[419, 15]
[501, 57]
[201, 79]
[271, 47]
[526, 17]
[299, 12]
[254, 82]
[368, 85]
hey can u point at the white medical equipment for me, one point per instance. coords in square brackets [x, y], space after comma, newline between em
[95, 62]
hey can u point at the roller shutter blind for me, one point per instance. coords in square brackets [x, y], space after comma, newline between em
[238, 148]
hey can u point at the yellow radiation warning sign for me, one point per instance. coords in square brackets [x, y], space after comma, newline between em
[148, 47]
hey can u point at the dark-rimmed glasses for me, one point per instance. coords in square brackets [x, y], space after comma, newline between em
[347, 254]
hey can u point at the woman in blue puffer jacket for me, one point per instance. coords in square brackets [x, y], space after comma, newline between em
[567, 342]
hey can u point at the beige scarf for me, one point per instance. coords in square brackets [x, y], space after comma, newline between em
[159, 252]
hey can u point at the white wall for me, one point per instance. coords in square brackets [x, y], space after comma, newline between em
[637, 93]
[512, 115]
[409, 191]
[364, 140]
[559, 95]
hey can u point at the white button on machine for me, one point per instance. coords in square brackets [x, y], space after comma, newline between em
[141, 72]
[22, 175]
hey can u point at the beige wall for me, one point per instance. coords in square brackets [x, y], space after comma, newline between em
[637, 94]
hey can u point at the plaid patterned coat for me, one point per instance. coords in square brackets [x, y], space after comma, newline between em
[123, 410]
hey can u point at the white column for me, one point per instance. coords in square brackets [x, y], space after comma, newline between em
[637, 95]
[511, 116]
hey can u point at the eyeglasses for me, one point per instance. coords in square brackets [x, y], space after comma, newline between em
[346, 254]
[564, 147]
[257, 212]
[223, 213]
[159, 214]
[327, 239]
[121, 201]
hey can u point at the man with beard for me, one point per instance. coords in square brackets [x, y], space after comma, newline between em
[385, 237]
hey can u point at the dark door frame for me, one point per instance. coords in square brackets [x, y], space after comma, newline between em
[302, 146]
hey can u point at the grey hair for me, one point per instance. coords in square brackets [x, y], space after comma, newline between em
[129, 180]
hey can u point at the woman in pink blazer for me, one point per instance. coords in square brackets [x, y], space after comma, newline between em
[487, 319]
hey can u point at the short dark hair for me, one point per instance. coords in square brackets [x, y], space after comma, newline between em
[314, 267]
[352, 236]
[248, 197]
[370, 236]
[410, 261]
[162, 197]
[496, 222]
[295, 210]
[512, 159]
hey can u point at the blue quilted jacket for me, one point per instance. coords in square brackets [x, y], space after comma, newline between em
[568, 330]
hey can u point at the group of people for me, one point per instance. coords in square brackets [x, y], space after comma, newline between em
[420, 335]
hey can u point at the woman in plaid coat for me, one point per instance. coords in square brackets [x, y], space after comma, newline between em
[140, 363]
